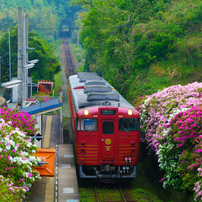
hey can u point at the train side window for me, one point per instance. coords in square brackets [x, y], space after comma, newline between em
[129, 124]
[87, 124]
[108, 127]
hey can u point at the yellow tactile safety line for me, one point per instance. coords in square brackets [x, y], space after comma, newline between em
[47, 132]
[49, 194]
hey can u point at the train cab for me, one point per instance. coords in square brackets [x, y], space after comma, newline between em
[106, 130]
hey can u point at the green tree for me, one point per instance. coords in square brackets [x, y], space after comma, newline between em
[123, 39]
[45, 69]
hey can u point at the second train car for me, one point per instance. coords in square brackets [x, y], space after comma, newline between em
[106, 129]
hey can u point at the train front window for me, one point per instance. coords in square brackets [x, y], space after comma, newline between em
[87, 124]
[129, 124]
[108, 127]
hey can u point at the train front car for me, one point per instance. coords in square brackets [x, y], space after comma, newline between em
[106, 129]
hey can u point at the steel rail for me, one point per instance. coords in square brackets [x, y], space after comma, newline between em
[96, 194]
[122, 195]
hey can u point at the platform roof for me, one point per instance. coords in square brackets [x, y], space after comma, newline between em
[43, 107]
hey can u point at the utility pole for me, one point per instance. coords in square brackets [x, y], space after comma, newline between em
[20, 56]
[9, 36]
[25, 48]
[24, 62]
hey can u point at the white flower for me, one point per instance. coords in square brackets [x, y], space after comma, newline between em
[32, 158]
[29, 185]
[24, 153]
[20, 133]
[2, 121]
[8, 147]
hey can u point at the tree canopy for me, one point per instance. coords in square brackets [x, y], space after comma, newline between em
[126, 40]
[45, 69]
[44, 15]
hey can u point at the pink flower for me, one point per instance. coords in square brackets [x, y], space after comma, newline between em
[199, 151]
[30, 174]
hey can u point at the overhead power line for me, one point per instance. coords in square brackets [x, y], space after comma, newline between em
[118, 26]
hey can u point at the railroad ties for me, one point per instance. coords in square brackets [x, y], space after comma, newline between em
[68, 58]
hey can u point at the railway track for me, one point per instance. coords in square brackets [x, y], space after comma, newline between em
[68, 58]
[123, 198]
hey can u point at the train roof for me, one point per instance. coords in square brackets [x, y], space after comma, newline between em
[85, 95]
[87, 78]
[95, 82]
[80, 74]
[97, 88]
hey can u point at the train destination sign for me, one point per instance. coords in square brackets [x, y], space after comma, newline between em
[108, 112]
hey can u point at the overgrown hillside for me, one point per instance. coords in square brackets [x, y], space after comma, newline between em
[141, 46]
[44, 15]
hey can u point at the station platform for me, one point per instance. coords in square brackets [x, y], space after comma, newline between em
[63, 187]
[66, 175]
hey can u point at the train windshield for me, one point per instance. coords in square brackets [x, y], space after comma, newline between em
[129, 124]
[87, 124]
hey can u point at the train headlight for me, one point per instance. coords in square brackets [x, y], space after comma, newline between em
[130, 112]
[86, 112]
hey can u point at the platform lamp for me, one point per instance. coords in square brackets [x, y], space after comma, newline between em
[33, 61]
[9, 84]
[28, 66]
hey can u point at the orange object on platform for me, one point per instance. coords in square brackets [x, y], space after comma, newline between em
[45, 87]
[48, 162]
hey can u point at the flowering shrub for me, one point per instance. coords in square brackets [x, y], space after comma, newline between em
[21, 120]
[198, 187]
[8, 191]
[172, 123]
[17, 160]
[42, 97]
[17, 157]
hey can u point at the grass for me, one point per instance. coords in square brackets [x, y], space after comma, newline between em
[57, 84]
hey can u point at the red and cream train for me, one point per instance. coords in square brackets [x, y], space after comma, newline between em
[106, 129]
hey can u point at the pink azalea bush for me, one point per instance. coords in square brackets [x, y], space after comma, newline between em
[171, 120]
[17, 157]
[7, 192]
[21, 120]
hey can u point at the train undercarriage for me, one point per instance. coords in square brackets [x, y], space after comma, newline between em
[108, 173]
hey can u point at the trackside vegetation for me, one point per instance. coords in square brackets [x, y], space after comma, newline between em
[151, 52]
[171, 122]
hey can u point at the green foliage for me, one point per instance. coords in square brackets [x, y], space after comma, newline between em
[145, 45]
[57, 84]
[42, 14]
[45, 69]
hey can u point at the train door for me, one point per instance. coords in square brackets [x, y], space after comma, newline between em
[108, 140]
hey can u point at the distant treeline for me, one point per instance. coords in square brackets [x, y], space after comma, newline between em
[43, 14]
